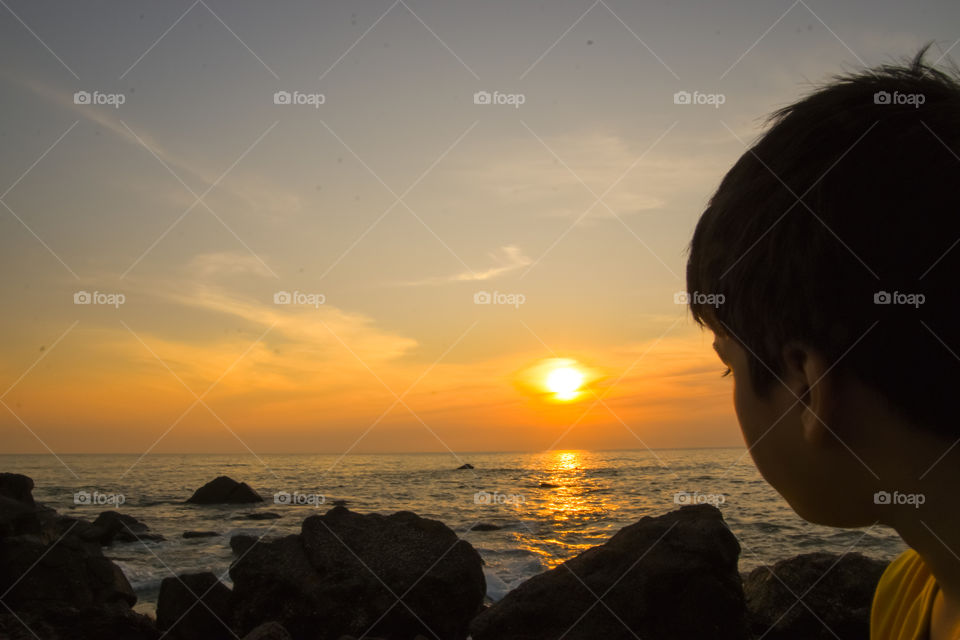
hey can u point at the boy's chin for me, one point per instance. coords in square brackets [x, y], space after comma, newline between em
[830, 515]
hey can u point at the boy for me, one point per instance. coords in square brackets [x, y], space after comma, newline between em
[834, 242]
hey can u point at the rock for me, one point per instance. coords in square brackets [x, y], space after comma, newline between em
[268, 631]
[18, 518]
[485, 526]
[837, 593]
[241, 542]
[17, 487]
[200, 534]
[261, 515]
[465, 466]
[224, 490]
[111, 526]
[340, 503]
[64, 622]
[674, 576]
[194, 606]
[326, 582]
[548, 485]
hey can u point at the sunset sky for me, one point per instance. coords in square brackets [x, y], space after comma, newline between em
[389, 208]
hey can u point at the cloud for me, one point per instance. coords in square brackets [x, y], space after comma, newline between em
[509, 258]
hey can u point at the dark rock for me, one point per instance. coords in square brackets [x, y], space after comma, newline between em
[261, 515]
[64, 622]
[200, 534]
[17, 487]
[485, 526]
[326, 581]
[194, 606]
[18, 518]
[111, 526]
[241, 542]
[224, 490]
[465, 466]
[674, 576]
[268, 631]
[339, 503]
[548, 485]
[68, 571]
[836, 591]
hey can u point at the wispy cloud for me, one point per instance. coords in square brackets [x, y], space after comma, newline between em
[507, 259]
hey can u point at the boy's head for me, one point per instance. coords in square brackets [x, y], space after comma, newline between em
[835, 241]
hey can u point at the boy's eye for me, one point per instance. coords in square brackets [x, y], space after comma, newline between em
[726, 372]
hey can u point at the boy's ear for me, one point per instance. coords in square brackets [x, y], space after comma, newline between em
[808, 376]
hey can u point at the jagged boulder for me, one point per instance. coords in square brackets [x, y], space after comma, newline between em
[674, 576]
[344, 573]
[813, 596]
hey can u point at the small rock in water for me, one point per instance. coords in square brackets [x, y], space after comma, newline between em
[269, 631]
[485, 526]
[224, 490]
[548, 485]
[261, 515]
[465, 466]
[200, 534]
[339, 503]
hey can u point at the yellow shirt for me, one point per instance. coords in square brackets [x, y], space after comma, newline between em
[903, 600]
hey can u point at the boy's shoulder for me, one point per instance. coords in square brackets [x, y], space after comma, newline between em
[903, 600]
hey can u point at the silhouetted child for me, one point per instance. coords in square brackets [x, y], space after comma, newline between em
[834, 241]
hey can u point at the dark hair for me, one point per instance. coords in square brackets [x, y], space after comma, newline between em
[847, 205]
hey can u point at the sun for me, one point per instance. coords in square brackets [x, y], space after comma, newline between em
[564, 382]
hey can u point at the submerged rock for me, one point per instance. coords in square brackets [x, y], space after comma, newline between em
[112, 526]
[836, 592]
[200, 534]
[261, 515]
[268, 631]
[485, 526]
[194, 606]
[465, 466]
[224, 490]
[673, 577]
[344, 573]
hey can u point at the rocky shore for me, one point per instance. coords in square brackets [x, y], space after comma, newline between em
[403, 577]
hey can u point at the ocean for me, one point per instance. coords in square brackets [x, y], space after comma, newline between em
[549, 506]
